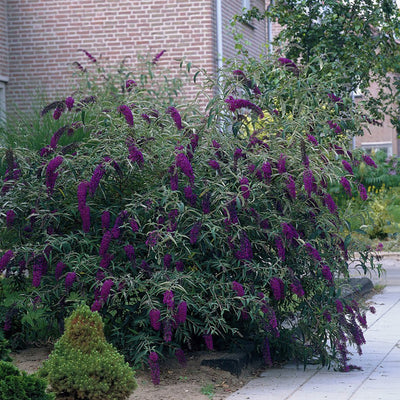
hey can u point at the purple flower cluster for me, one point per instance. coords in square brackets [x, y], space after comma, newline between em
[289, 64]
[105, 220]
[69, 280]
[154, 316]
[296, 288]
[51, 174]
[194, 233]
[168, 299]
[334, 126]
[179, 266]
[167, 260]
[154, 368]
[206, 203]
[95, 179]
[181, 313]
[127, 113]
[339, 306]
[130, 84]
[309, 182]
[214, 164]
[312, 140]
[362, 191]
[152, 238]
[88, 55]
[235, 104]
[281, 165]
[158, 56]
[69, 102]
[130, 253]
[54, 139]
[291, 186]
[327, 273]
[347, 167]
[5, 259]
[232, 212]
[346, 185]
[238, 288]
[289, 232]
[59, 270]
[334, 98]
[84, 210]
[312, 252]
[280, 248]
[174, 113]
[245, 252]
[369, 161]
[330, 203]
[183, 163]
[135, 155]
[10, 217]
[105, 243]
[134, 225]
[244, 187]
[278, 288]
[105, 289]
[190, 196]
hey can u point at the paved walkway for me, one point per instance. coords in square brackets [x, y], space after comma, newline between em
[380, 362]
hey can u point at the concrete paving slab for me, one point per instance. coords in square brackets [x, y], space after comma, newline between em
[379, 378]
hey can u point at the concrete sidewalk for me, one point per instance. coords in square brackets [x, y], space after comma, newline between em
[380, 361]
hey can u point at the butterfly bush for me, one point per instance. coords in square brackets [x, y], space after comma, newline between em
[188, 227]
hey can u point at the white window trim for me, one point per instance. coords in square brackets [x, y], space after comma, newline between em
[378, 145]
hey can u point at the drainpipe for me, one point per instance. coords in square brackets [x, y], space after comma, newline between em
[219, 36]
[269, 25]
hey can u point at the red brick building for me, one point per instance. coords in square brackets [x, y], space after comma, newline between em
[39, 40]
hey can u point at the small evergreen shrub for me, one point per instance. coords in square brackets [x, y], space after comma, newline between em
[84, 366]
[15, 385]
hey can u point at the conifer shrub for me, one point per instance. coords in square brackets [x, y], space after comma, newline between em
[15, 385]
[187, 229]
[84, 366]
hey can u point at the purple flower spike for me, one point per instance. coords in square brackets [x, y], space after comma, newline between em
[69, 280]
[238, 288]
[327, 274]
[281, 164]
[155, 319]
[105, 289]
[244, 187]
[158, 56]
[168, 299]
[346, 185]
[330, 203]
[51, 174]
[105, 243]
[179, 266]
[176, 117]
[194, 233]
[82, 193]
[334, 126]
[309, 182]
[10, 217]
[190, 196]
[235, 104]
[183, 163]
[130, 252]
[280, 248]
[181, 313]
[339, 306]
[369, 161]
[334, 98]
[135, 155]
[5, 259]
[363, 192]
[278, 288]
[347, 167]
[95, 179]
[96, 306]
[313, 252]
[127, 113]
[69, 102]
[213, 164]
[154, 368]
[167, 261]
[59, 270]
[245, 252]
[290, 232]
[312, 140]
[289, 64]
[291, 187]
[130, 84]
[57, 113]
[88, 55]
[208, 341]
[105, 219]
[134, 225]
[296, 288]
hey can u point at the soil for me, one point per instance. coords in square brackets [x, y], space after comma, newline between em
[193, 382]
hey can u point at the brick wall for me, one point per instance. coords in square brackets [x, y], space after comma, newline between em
[44, 37]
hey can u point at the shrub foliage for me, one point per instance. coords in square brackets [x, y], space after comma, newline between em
[187, 229]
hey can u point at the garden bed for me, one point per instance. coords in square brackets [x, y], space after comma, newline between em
[195, 381]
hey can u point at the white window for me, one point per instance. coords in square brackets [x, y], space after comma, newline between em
[386, 147]
[246, 5]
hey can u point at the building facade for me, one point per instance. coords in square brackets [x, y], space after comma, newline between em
[40, 39]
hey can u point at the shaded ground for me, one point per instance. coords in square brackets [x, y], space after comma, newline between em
[194, 382]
